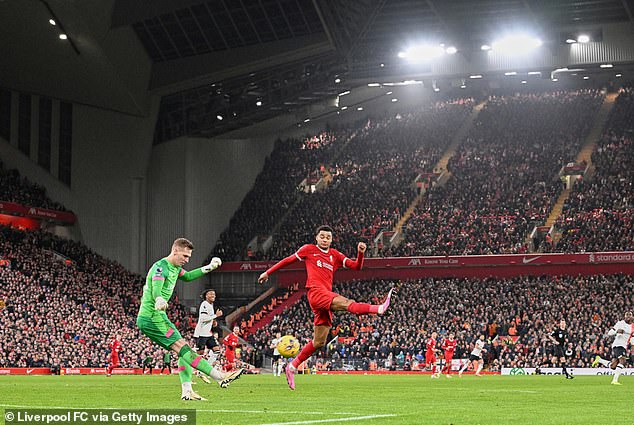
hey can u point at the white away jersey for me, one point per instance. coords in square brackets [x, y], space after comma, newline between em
[274, 344]
[477, 350]
[206, 316]
[621, 340]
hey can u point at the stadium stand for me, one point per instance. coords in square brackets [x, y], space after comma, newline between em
[599, 214]
[504, 176]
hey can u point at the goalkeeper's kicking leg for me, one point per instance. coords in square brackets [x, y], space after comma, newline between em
[187, 357]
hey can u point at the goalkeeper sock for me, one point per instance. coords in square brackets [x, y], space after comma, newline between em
[187, 355]
[306, 352]
[184, 372]
[363, 308]
[186, 387]
[211, 357]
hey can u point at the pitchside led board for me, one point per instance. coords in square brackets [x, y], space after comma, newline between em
[557, 371]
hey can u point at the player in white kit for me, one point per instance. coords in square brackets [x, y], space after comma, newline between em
[203, 333]
[622, 333]
[278, 363]
[475, 357]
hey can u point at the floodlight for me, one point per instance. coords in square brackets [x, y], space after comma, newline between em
[516, 44]
[583, 38]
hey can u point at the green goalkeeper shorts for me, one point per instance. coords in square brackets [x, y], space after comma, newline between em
[159, 329]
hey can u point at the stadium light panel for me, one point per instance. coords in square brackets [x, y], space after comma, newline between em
[485, 47]
[343, 93]
[52, 22]
[388, 93]
[618, 75]
[394, 100]
[360, 108]
[524, 82]
[258, 103]
[585, 77]
[219, 117]
[475, 77]
[516, 44]
[606, 65]
[583, 38]
[554, 80]
[571, 41]
[510, 73]
[451, 50]
[422, 53]
[337, 80]
[343, 108]
[307, 120]
[63, 37]
[374, 85]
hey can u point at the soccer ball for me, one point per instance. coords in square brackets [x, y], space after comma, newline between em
[288, 346]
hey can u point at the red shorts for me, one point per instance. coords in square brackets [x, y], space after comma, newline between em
[320, 301]
[430, 358]
[114, 361]
[448, 357]
[230, 355]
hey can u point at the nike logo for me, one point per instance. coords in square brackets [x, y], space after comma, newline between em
[28, 371]
[530, 260]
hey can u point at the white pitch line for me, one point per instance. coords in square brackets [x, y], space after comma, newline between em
[320, 421]
[281, 412]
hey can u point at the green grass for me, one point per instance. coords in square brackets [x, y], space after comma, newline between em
[407, 399]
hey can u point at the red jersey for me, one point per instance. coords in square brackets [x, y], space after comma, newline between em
[449, 345]
[431, 346]
[231, 341]
[320, 265]
[115, 347]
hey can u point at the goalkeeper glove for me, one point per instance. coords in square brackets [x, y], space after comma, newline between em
[160, 304]
[213, 265]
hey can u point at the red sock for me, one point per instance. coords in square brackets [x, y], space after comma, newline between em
[306, 352]
[110, 370]
[363, 308]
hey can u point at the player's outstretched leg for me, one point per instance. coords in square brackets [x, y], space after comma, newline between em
[198, 362]
[598, 360]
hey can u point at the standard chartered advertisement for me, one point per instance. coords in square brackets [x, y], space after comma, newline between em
[589, 371]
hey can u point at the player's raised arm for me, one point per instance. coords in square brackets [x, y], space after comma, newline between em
[298, 256]
[358, 263]
[199, 272]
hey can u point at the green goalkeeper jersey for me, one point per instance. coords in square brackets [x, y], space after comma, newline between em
[160, 282]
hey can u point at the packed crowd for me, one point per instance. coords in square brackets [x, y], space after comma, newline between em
[65, 311]
[373, 178]
[516, 315]
[504, 175]
[275, 190]
[17, 189]
[599, 214]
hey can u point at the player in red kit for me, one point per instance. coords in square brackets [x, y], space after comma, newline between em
[115, 348]
[430, 354]
[231, 341]
[321, 263]
[449, 347]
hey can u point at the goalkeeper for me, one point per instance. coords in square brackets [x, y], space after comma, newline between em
[153, 322]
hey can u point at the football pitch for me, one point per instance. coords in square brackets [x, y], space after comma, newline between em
[351, 399]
